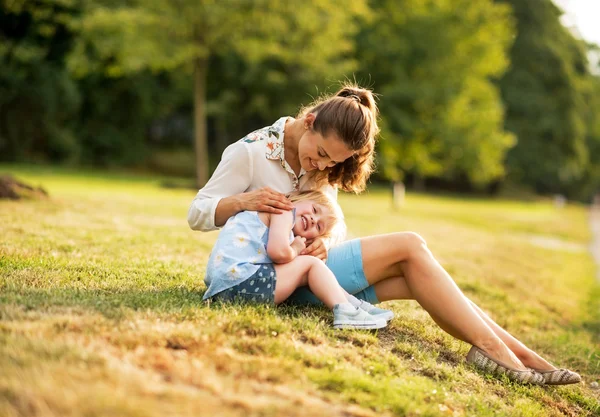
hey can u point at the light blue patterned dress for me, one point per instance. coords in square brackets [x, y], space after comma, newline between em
[239, 254]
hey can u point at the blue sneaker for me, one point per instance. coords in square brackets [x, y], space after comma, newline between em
[346, 316]
[377, 312]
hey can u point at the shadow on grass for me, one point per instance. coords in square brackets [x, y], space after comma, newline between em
[115, 304]
[110, 303]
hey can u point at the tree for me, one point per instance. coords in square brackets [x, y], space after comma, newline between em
[544, 96]
[38, 99]
[434, 63]
[589, 184]
[182, 34]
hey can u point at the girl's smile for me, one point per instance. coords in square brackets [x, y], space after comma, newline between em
[304, 222]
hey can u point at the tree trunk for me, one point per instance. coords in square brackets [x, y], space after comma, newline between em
[398, 194]
[201, 145]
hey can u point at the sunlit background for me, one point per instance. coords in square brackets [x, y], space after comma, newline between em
[475, 96]
[120, 110]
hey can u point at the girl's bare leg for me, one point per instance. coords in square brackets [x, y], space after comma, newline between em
[396, 288]
[407, 255]
[308, 270]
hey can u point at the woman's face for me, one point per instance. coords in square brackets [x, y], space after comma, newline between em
[318, 152]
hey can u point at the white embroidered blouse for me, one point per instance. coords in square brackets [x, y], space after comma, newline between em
[255, 161]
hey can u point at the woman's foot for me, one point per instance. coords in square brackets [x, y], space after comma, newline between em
[559, 377]
[534, 361]
[551, 374]
[484, 362]
[499, 351]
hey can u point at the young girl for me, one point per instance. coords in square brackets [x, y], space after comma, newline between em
[256, 259]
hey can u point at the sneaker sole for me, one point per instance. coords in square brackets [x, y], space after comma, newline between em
[354, 325]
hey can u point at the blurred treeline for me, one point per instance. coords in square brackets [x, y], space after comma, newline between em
[473, 93]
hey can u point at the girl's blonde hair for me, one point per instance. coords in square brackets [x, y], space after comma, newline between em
[351, 114]
[336, 216]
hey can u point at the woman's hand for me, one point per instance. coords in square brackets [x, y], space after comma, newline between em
[317, 249]
[265, 199]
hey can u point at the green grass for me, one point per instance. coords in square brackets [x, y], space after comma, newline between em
[101, 311]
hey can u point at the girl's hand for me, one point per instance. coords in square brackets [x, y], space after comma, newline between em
[317, 249]
[299, 244]
[265, 199]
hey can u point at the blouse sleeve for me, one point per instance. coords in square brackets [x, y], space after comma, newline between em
[232, 176]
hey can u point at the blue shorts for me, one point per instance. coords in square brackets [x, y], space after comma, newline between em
[345, 260]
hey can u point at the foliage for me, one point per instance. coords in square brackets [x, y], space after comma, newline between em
[434, 63]
[168, 34]
[38, 98]
[589, 184]
[544, 92]
[471, 92]
[114, 118]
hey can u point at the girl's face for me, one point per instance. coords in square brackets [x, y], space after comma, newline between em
[312, 219]
[318, 152]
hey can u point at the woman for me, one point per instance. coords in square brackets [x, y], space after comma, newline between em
[330, 145]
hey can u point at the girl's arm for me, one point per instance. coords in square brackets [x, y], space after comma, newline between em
[279, 248]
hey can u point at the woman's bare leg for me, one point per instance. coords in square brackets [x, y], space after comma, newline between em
[396, 288]
[407, 255]
[526, 355]
[308, 270]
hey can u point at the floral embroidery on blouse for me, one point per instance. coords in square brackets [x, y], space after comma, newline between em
[274, 147]
[253, 137]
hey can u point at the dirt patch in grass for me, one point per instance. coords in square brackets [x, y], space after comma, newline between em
[13, 189]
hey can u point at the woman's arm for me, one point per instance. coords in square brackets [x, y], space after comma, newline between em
[232, 177]
[224, 194]
[264, 199]
[279, 248]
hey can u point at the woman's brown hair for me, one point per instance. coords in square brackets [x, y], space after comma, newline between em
[351, 114]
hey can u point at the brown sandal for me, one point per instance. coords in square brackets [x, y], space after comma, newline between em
[484, 362]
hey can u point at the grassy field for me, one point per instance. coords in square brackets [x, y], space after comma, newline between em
[101, 312]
